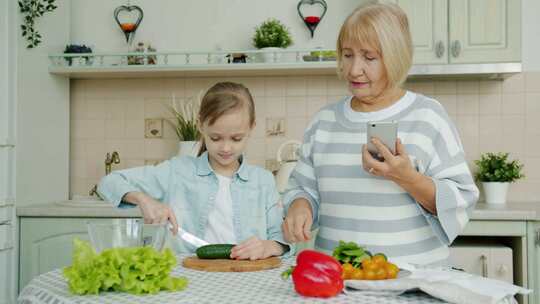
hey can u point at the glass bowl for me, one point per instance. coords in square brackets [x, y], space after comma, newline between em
[126, 233]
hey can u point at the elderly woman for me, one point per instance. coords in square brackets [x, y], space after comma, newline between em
[410, 204]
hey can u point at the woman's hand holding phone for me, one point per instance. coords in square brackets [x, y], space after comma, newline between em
[396, 167]
[386, 132]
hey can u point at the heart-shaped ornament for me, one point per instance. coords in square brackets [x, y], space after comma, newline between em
[311, 20]
[128, 19]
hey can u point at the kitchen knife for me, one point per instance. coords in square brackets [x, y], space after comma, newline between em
[190, 238]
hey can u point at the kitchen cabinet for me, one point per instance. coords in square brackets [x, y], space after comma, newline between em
[533, 245]
[492, 261]
[428, 23]
[47, 243]
[9, 20]
[464, 31]
[6, 254]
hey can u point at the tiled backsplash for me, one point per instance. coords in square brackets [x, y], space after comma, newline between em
[109, 115]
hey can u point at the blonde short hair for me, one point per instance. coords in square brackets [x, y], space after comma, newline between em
[384, 27]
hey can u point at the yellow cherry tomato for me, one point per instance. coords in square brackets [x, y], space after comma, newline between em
[370, 266]
[366, 263]
[369, 275]
[347, 270]
[358, 274]
[380, 274]
[392, 270]
[379, 259]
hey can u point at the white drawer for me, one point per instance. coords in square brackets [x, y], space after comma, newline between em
[491, 261]
[6, 173]
[7, 278]
[6, 237]
[6, 214]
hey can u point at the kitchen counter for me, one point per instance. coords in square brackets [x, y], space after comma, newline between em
[76, 210]
[508, 212]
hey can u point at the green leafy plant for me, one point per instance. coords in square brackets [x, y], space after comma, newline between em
[31, 10]
[350, 252]
[137, 270]
[272, 33]
[185, 119]
[495, 167]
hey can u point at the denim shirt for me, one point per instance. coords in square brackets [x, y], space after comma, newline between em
[189, 185]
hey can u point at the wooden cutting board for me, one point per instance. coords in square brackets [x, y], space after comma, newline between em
[221, 265]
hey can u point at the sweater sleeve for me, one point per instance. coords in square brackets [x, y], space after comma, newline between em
[152, 180]
[274, 214]
[455, 191]
[302, 182]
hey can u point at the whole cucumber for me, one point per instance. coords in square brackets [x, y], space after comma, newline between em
[215, 251]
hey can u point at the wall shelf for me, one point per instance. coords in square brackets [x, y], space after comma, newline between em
[213, 64]
[207, 70]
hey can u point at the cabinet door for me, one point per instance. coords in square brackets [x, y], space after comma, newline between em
[533, 260]
[485, 31]
[491, 261]
[428, 22]
[47, 244]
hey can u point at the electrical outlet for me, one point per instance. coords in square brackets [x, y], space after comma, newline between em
[153, 128]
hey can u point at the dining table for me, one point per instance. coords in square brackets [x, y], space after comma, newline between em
[266, 286]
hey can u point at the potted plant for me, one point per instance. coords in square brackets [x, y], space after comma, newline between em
[185, 125]
[78, 49]
[496, 172]
[271, 35]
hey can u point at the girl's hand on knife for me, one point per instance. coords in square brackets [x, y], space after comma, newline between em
[154, 212]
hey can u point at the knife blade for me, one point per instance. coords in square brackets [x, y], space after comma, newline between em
[190, 238]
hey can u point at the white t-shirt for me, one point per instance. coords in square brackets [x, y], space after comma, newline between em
[220, 220]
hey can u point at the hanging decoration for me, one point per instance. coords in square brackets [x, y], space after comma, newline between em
[132, 16]
[31, 10]
[311, 21]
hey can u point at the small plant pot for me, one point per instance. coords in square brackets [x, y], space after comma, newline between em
[270, 55]
[495, 192]
[80, 61]
[189, 148]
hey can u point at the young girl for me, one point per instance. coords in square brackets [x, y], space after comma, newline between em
[216, 196]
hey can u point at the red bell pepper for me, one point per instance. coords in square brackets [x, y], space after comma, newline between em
[317, 275]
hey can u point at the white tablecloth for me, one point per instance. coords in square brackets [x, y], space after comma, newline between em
[206, 287]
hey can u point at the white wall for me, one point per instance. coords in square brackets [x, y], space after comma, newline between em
[201, 25]
[42, 114]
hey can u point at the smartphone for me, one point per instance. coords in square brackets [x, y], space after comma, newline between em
[385, 131]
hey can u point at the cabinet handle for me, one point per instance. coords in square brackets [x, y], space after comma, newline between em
[456, 48]
[6, 222]
[6, 246]
[483, 258]
[502, 269]
[537, 237]
[439, 49]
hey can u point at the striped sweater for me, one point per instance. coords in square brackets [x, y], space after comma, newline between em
[350, 204]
